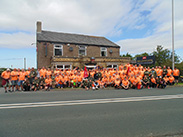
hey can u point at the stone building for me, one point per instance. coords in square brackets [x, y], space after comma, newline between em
[65, 50]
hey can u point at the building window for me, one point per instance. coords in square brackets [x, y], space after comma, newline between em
[103, 52]
[112, 66]
[67, 67]
[60, 66]
[64, 66]
[82, 50]
[58, 50]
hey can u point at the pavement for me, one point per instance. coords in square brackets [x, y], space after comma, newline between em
[101, 113]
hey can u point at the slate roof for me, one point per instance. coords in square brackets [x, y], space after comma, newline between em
[59, 37]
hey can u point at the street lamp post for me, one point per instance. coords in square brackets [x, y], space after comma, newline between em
[36, 51]
[173, 63]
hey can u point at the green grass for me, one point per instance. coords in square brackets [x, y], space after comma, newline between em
[180, 84]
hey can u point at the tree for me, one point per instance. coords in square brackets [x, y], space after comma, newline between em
[127, 55]
[163, 56]
[141, 55]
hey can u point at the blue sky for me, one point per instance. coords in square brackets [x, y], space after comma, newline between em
[136, 25]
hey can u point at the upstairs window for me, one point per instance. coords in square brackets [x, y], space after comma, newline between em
[103, 51]
[58, 50]
[82, 50]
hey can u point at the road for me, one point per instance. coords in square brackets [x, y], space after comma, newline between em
[102, 113]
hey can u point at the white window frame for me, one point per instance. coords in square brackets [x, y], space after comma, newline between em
[112, 66]
[64, 66]
[54, 47]
[103, 50]
[85, 50]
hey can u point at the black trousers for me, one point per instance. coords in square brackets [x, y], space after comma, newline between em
[26, 88]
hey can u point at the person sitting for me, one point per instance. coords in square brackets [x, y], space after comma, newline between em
[135, 82]
[90, 82]
[26, 85]
[171, 80]
[102, 84]
[48, 83]
[35, 84]
[125, 84]
[145, 82]
[85, 84]
[58, 81]
[105, 81]
[117, 83]
[79, 80]
[42, 83]
[162, 83]
[153, 82]
[157, 81]
[95, 85]
[166, 79]
[131, 80]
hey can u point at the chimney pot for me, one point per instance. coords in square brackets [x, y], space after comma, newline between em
[39, 26]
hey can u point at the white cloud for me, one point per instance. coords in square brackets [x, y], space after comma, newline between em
[77, 16]
[161, 15]
[95, 17]
[16, 40]
[61, 15]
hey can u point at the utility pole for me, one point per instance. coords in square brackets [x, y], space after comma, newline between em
[25, 63]
[173, 63]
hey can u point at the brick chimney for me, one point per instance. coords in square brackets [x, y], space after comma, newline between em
[39, 26]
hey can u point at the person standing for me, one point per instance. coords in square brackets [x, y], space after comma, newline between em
[169, 72]
[14, 79]
[164, 71]
[21, 79]
[6, 77]
[176, 74]
[153, 72]
[32, 75]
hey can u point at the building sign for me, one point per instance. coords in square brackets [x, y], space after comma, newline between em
[145, 60]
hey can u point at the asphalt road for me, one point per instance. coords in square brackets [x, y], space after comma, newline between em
[102, 113]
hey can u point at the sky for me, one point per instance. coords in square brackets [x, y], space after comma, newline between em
[137, 26]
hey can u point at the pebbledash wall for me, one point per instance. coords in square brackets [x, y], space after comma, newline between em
[70, 44]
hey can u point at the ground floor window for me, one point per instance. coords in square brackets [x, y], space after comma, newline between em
[90, 67]
[112, 66]
[64, 66]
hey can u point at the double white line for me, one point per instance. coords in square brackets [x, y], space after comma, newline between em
[86, 102]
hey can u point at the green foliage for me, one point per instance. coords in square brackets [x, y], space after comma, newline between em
[161, 55]
[180, 67]
[127, 55]
[164, 56]
[141, 55]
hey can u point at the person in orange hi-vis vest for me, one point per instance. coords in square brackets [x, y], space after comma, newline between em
[176, 74]
[117, 83]
[6, 79]
[169, 72]
[125, 83]
[153, 83]
[14, 79]
[171, 80]
[48, 82]
[21, 78]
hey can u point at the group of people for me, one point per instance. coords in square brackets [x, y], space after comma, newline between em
[124, 77]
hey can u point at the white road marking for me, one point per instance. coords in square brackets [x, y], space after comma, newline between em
[86, 102]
